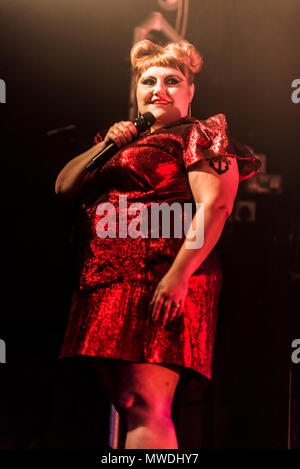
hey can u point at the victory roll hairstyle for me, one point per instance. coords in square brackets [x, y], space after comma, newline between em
[179, 55]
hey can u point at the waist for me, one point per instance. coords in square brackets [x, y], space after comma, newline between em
[145, 261]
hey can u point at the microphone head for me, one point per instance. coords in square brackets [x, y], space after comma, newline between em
[149, 117]
[144, 121]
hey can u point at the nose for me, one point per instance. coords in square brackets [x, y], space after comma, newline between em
[159, 88]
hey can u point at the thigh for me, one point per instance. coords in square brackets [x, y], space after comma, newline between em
[146, 384]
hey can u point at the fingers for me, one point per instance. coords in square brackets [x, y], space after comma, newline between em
[165, 309]
[122, 133]
[168, 300]
[158, 303]
[154, 297]
[175, 312]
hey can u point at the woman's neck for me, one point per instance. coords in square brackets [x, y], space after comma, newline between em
[153, 128]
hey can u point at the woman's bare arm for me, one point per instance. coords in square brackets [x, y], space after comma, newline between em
[74, 173]
[217, 192]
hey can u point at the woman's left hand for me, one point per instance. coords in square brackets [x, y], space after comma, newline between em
[169, 297]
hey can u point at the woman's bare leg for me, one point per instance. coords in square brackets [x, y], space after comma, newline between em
[143, 394]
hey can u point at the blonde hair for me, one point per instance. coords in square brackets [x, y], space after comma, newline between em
[180, 55]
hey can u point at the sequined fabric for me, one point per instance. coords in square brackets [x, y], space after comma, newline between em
[110, 309]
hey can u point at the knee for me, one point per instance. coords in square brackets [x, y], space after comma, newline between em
[139, 410]
[124, 402]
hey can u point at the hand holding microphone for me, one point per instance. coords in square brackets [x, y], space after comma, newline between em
[119, 135]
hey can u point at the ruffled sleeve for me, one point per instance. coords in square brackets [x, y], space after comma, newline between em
[210, 139]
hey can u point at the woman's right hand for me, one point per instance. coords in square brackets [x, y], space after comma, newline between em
[121, 133]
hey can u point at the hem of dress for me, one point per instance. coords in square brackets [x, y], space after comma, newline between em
[188, 371]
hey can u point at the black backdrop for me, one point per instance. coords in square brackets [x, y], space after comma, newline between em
[67, 62]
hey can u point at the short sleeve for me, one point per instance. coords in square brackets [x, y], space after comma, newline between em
[210, 139]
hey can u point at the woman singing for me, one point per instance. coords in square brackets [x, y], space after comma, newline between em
[145, 307]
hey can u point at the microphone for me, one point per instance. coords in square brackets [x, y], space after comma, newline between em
[142, 123]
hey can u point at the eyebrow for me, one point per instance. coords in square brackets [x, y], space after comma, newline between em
[167, 76]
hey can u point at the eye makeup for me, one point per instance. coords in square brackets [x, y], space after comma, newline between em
[152, 80]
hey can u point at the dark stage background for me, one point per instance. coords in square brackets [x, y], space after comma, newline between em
[67, 62]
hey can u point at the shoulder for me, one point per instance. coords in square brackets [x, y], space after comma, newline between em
[204, 139]
[213, 139]
[207, 132]
[216, 121]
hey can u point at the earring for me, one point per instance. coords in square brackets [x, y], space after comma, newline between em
[190, 110]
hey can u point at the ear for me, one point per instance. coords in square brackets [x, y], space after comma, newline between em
[192, 91]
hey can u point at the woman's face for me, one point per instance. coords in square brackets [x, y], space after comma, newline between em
[165, 92]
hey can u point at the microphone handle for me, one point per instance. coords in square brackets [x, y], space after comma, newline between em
[101, 158]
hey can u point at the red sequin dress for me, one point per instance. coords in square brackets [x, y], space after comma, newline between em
[110, 310]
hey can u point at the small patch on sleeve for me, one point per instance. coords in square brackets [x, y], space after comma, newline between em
[220, 164]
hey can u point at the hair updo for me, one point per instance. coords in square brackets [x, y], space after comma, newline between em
[181, 55]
